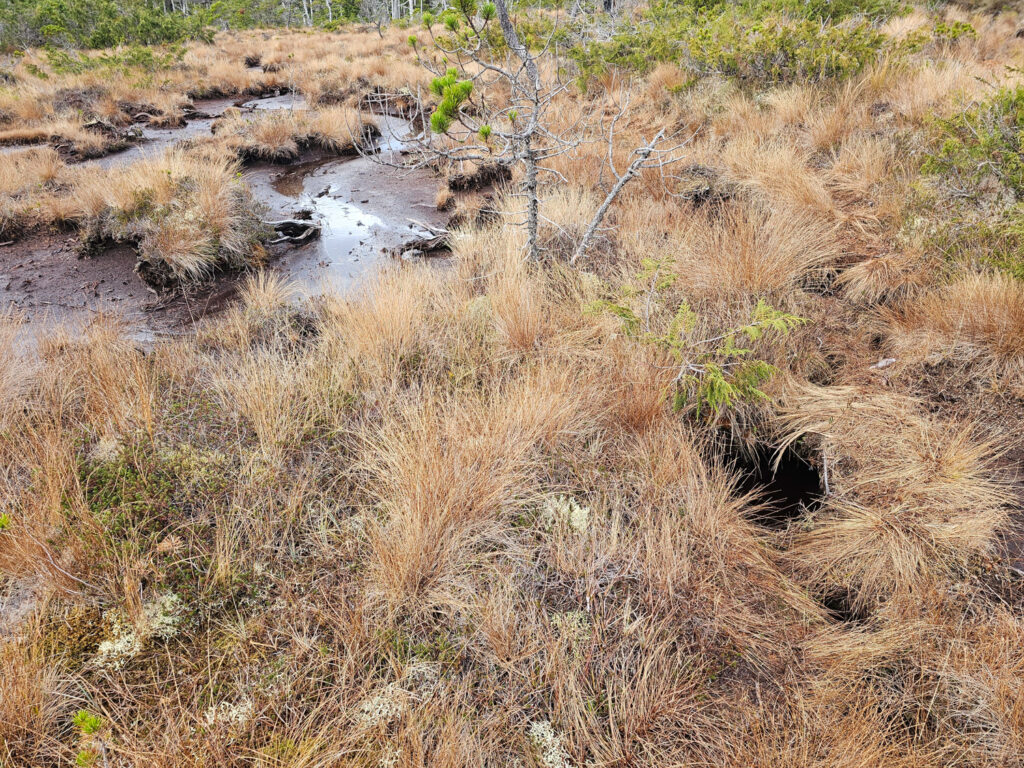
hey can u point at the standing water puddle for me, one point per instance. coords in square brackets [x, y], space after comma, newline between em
[284, 101]
[364, 209]
[156, 140]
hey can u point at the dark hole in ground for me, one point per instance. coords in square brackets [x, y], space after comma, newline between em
[785, 492]
[839, 607]
[822, 284]
[825, 373]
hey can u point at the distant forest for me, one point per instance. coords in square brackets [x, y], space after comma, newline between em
[105, 23]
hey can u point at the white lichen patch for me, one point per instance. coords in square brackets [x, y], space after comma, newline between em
[160, 619]
[162, 616]
[564, 510]
[421, 676]
[123, 644]
[389, 757]
[229, 714]
[381, 708]
[550, 751]
[574, 628]
[355, 526]
[106, 450]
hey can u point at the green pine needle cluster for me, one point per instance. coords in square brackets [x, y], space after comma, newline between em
[453, 93]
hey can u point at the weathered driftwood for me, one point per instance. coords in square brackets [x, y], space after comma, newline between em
[423, 246]
[435, 244]
[296, 231]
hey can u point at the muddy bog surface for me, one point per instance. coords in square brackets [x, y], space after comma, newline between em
[364, 209]
[43, 280]
[284, 101]
[156, 140]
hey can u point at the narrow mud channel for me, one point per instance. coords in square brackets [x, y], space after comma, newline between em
[364, 210]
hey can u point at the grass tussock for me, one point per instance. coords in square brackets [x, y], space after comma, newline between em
[740, 252]
[912, 499]
[978, 319]
[67, 135]
[185, 215]
[35, 707]
[281, 136]
[24, 176]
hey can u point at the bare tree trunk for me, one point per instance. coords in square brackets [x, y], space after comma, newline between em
[532, 200]
[529, 153]
[517, 47]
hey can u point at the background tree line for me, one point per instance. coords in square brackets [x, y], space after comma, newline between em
[105, 23]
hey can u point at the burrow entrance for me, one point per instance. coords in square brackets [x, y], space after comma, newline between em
[785, 491]
[840, 607]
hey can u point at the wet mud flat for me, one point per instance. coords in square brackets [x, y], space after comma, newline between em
[155, 140]
[45, 282]
[362, 208]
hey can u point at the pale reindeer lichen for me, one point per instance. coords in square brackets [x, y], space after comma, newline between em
[229, 714]
[160, 619]
[564, 510]
[381, 708]
[550, 751]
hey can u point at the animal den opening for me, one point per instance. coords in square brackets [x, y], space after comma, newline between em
[785, 486]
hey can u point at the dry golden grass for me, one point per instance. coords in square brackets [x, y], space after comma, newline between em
[743, 251]
[414, 462]
[889, 276]
[977, 317]
[912, 498]
[65, 133]
[34, 706]
[452, 518]
[24, 177]
[280, 135]
[186, 213]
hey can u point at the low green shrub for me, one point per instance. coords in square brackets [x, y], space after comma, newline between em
[98, 23]
[978, 166]
[986, 140]
[766, 41]
[718, 368]
[131, 58]
[777, 50]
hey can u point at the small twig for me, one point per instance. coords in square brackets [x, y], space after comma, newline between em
[429, 227]
[46, 551]
[824, 463]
